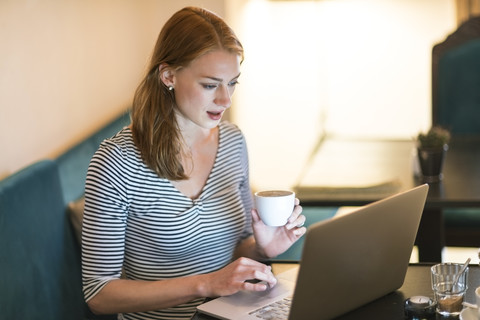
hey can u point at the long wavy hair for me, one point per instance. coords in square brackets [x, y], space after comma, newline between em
[187, 35]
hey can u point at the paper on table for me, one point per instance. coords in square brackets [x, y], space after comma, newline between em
[345, 167]
[351, 192]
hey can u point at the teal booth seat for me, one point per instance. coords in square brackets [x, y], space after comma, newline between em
[73, 164]
[462, 227]
[40, 256]
[40, 272]
[313, 215]
[456, 107]
[458, 91]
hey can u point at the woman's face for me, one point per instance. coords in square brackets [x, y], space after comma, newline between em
[203, 89]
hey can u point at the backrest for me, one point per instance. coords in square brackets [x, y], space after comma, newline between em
[40, 270]
[456, 80]
[73, 164]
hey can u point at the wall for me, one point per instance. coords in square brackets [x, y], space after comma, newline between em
[355, 68]
[68, 67]
[351, 67]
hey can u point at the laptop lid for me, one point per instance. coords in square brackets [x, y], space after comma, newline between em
[358, 257]
[347, 261]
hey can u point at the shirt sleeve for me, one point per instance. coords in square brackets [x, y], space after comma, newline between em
[245, 190]
[104, 222]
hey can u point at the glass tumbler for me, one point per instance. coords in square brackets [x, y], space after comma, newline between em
[449, 297]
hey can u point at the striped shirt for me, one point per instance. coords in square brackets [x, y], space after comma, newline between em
[140, 222]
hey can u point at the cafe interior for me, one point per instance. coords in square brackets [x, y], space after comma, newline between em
[315, 73]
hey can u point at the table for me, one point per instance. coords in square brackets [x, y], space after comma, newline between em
[344, 172]
[417, 282]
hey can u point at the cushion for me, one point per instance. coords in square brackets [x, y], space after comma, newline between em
[458, 94]
[73, 164]
[312, 215]
[465, 218]
[75, 213]
[40, 266]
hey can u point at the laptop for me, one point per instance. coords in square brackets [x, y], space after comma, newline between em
[347, 261]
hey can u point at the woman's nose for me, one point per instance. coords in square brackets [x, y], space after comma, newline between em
[223, 97]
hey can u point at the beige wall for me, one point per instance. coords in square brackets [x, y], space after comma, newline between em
[355, 68]
[69, 67]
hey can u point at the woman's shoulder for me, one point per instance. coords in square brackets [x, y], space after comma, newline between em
[120, 145]
[231, 137]
[118, 156]
[230, 129]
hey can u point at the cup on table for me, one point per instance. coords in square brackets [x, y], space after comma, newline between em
[449, 298]
[275, 206]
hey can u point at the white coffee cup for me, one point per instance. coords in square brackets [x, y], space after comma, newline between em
[275, 206]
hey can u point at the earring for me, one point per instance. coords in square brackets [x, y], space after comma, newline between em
[170, 88]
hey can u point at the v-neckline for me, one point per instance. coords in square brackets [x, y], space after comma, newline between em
[205, 186]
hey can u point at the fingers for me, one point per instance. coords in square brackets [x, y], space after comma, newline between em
[255, 276]
[297, 223]
[296, 220]
[299, 231]
[242, 274]
[261, 281]
[255, 216]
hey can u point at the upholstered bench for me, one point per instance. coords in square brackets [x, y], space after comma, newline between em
[40, 257]
[40, 266]
[313, 215]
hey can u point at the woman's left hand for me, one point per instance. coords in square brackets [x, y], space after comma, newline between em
[272, 241]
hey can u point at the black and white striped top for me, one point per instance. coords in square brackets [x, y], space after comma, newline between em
[137, 221]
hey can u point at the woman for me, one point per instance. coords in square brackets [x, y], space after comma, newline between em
[168, 198]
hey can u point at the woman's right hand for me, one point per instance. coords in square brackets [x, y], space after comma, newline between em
[234, 276]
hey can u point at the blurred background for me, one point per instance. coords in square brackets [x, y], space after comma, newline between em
[358, 68]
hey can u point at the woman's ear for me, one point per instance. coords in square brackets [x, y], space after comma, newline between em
[167, 75]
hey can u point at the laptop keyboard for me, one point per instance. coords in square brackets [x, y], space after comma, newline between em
[277, 310]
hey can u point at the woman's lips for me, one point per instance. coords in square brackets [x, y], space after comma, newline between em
[215, 115]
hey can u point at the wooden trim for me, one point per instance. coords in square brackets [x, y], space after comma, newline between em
[466, 9]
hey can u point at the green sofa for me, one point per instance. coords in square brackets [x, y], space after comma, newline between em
[456, 106]
[40, 258]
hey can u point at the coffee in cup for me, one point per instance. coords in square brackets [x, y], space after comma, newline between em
[275, 206]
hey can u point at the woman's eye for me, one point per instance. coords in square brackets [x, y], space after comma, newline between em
[209, 86]
[233, 83]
